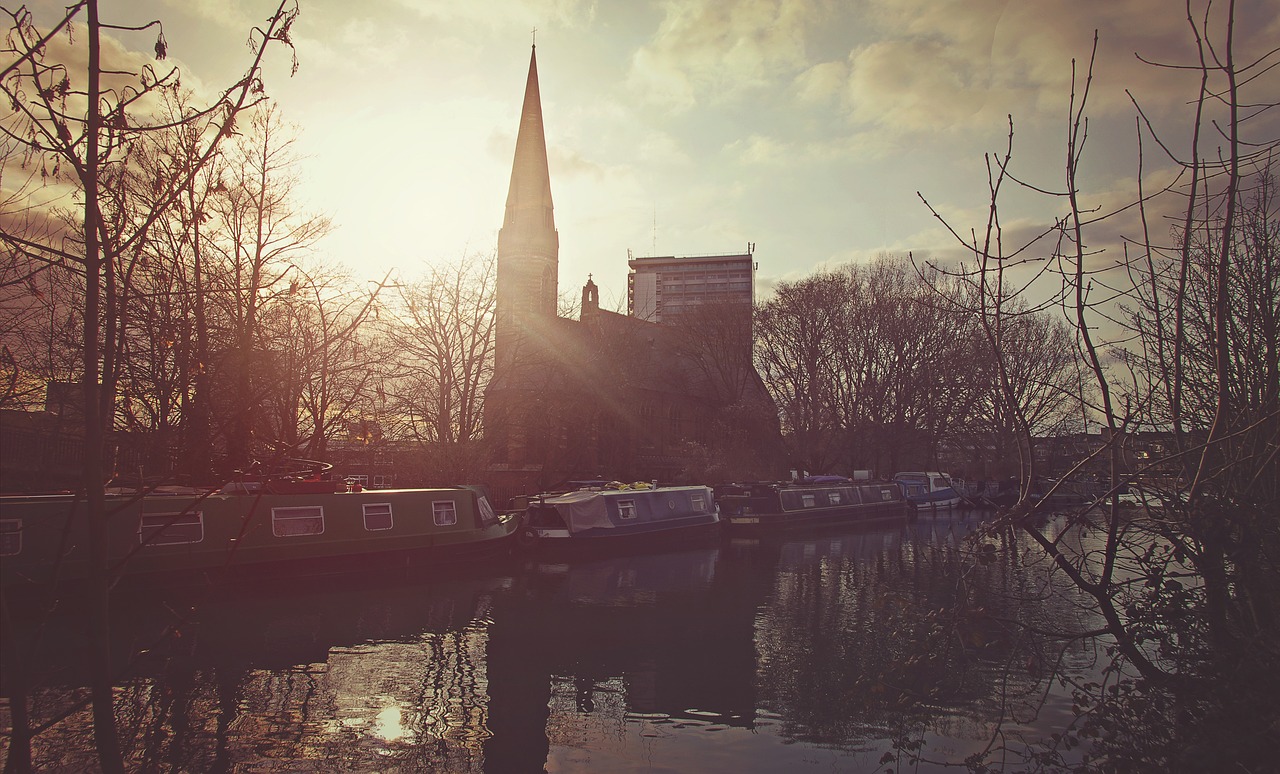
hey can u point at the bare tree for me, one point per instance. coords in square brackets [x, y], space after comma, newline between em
[262, 232]
[77, 119]
[31, 351]
[326, 370]
[867, 366]
[1184, 591]
[442, 327]
[797, 333]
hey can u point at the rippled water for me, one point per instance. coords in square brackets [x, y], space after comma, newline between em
[818, 652]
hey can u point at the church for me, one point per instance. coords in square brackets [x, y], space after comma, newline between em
[610, 396]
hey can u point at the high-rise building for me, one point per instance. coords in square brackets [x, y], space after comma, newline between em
[661, 288]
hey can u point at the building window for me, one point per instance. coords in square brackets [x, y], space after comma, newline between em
[377, 516]
[383, 481]
[299, 520]
[167, 529]
[10, 537]
[445, 512]
[626, 509]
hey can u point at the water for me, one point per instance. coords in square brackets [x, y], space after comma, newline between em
[823, 652]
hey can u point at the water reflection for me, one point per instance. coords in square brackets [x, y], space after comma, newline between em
[754, 655]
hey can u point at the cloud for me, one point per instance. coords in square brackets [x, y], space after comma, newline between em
[822, 83]
[505, 13]
[962, 64]
[912, 85]
[569, 163]
[758, 149]
[707, 48]
[660, 81]
[239, 15]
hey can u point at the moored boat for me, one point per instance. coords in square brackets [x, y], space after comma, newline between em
[829, 502]
[928, 490]
[298, 528]
[604, 517]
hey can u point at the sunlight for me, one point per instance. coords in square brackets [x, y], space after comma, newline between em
[389, 724]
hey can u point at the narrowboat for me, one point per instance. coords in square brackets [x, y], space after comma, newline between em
[295, 527]
[829, 502]
[629, 515]
[928, 490]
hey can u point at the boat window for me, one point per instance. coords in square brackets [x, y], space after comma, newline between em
[626, 509]
[297, 520]
[808, 500]
[699, 504]
[833, 498]
[873, 493]
[377, 516]
[167, 529]
[487, 514]
[445, 512]
[10, 537]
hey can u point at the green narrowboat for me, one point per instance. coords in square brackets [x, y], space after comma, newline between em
[241, 528]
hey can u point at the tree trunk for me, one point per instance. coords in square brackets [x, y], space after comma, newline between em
[99, 640]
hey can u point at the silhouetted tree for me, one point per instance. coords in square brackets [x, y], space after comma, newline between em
[867, 367]
[1185, 590]
[262, 232]
[78, 119]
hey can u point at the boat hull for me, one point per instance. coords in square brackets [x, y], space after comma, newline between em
[593, 521]
[929, 490]
[939, 500]
[762, 508]
[45, 539]
[553, 543]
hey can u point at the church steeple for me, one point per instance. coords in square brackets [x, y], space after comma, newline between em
[528, 245]
[529, 195]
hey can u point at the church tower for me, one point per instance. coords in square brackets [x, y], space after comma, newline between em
[528, 244]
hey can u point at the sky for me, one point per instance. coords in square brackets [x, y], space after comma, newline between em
[808, 128]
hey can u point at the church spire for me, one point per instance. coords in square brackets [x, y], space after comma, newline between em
[528, 245]
[529, 195]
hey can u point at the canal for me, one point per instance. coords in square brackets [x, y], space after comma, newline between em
[900, 648]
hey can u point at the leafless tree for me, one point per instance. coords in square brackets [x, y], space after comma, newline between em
[867, 367]
[442, 331]
[1185, 590]
[262, 233]
[325, 364]
[75, 116]
[797, 333]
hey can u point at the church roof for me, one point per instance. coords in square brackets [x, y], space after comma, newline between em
[608, 356]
